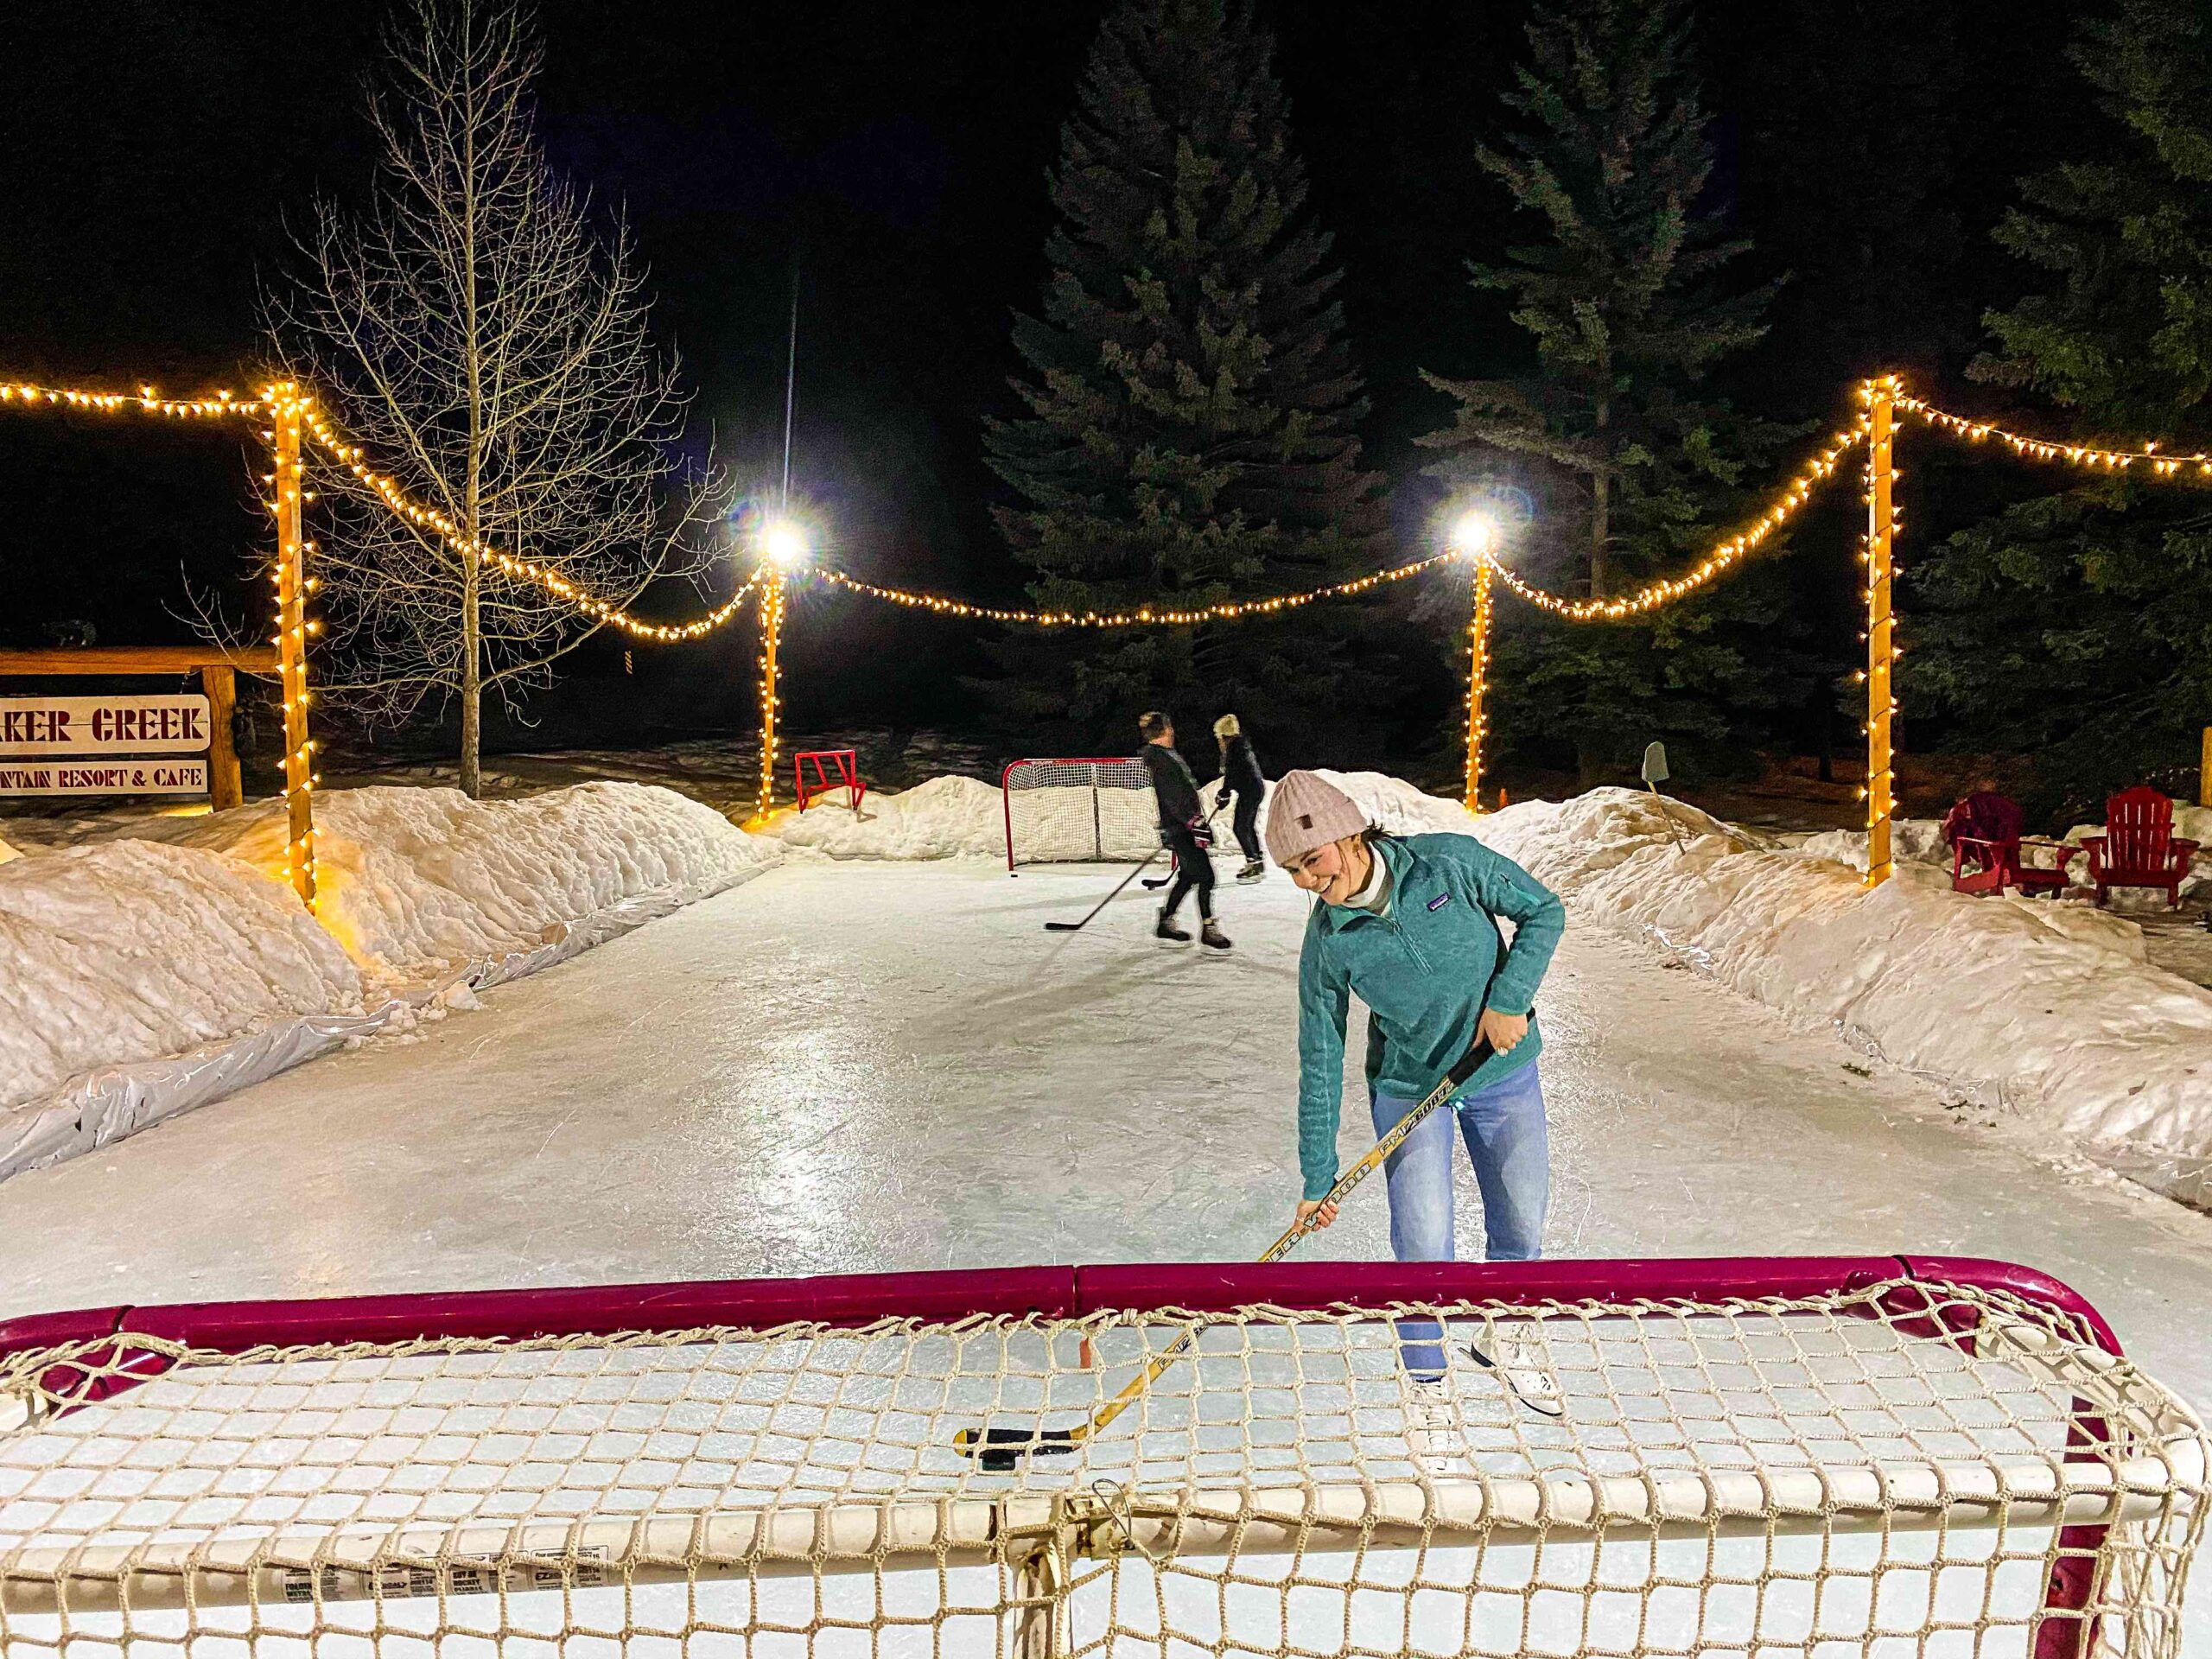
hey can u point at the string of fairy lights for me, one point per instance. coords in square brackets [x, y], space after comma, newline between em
[294, 629]
[326, 436]
[1477, 679]
[2151, 456]
[1722, 559]
[294, 414]
[1144, 615]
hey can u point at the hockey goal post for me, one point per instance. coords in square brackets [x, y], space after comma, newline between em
[1083, 809]
[1861, 1455]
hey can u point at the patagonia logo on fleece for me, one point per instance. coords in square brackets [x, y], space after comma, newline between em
[1440, 901]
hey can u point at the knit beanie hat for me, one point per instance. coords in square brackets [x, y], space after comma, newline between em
[1306, 811]
[1226, 727]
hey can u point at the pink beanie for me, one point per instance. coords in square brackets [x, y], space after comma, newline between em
[1306, 811]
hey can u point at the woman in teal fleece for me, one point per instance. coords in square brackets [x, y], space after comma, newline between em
[1408, 925]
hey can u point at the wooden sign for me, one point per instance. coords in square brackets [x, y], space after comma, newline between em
[47, 726]
[105, 778]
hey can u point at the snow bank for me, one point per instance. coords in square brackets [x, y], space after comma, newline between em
[418, 883]
[128, 949]
[2048, 1008]
[1920, 840]
[145, 976]
[947, 818]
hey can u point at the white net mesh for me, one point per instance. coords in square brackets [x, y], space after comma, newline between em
[1078, 810]
[1900, 1470]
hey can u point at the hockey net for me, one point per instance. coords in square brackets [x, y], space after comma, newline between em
[1090, 809]
[1844, 1456]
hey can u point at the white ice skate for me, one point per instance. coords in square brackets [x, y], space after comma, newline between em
[1435, 1428]
[1514, 1353]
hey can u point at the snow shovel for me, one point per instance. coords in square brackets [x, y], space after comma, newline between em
[999, 1450]
[1655, 773]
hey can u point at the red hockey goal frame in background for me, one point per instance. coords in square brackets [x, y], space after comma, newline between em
[1098, 851]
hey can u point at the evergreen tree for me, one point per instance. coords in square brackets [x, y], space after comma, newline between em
[2076, 626]
[1192, 404]
[1635, 465]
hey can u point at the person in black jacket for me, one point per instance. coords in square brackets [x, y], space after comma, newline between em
[1182, 821]
[1241, 777]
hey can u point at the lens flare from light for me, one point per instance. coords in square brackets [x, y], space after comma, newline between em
[1474, 531]
[784, 545]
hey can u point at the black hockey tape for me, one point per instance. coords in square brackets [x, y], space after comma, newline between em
[1000, 1451]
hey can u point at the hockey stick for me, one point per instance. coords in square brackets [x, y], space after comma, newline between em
[1153, 883]
[1000, 1449]
[1071, 927]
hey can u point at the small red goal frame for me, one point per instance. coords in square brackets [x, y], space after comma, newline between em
[834, 769]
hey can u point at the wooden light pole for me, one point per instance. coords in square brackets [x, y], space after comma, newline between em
[292, 647]
[1478, 674]
[771, 630]
[1881, 702]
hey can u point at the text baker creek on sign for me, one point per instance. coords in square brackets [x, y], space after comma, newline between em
[51, 731]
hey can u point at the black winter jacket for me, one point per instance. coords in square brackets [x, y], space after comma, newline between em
[1173, 786]
[1240, 769]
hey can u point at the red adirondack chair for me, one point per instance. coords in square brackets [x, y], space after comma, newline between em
[1983, 830]
[2139, 848]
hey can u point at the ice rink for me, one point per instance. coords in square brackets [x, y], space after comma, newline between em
[844, 1067]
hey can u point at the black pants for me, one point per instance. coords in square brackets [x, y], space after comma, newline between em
[1194, 869]
[1247, 820]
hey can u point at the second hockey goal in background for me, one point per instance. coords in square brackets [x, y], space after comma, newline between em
[1092, 809]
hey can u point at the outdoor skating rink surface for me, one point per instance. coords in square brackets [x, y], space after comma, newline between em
[867, 1067]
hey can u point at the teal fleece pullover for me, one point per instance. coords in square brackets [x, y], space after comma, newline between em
[1422, 970]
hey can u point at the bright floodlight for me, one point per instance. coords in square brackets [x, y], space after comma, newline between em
[1474, 531]
[784, 544]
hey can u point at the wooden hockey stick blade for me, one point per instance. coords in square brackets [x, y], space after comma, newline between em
[1542, 1408]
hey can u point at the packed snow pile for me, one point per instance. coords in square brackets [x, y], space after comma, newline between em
[148, 976]
[7, 852]
[1920, 840]
[128, 950]
[949, 816]
[2048, 1008]
[419, 883]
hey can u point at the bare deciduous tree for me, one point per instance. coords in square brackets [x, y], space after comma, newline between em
[490, 351]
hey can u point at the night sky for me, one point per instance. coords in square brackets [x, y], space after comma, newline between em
[151, 153]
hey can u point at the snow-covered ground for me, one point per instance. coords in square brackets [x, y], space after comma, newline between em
[147, 975]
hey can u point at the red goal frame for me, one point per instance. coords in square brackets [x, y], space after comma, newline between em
[1070, 1292]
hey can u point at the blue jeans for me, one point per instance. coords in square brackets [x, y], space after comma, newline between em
[1503, 1127]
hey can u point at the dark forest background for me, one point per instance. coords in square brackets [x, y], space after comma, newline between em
[151, 154]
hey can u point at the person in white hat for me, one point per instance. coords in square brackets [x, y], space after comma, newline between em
[1409, 925]
[1241, 776]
